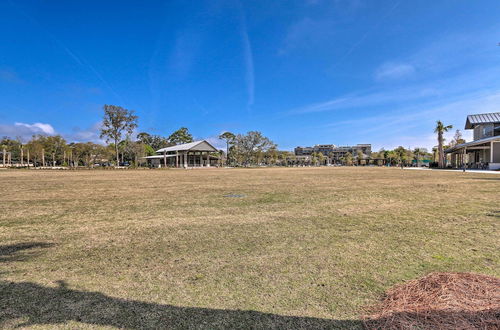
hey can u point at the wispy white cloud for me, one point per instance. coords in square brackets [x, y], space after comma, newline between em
[456, 50]
[435, 90]
[38, 128]
[183, 56]
[25, 131]
[436, 57]
[393, 71]
[442, 54]
[365, 99]
[90, 134]
[405, 113]
[413, 125]
[249, 64]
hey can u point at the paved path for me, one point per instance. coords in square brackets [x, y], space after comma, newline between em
[452, 170]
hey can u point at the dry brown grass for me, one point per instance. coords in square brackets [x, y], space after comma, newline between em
[304, 247]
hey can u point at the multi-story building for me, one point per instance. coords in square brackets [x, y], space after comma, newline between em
[304, 151]
[484, 151]
[333, 152]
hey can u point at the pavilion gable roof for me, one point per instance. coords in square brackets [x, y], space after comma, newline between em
[201, 145]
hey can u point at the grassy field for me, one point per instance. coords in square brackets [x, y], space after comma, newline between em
[300, 248]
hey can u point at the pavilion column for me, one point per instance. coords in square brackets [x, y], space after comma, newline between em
[177, 159]
[164, 159]
[491, 152]
[185, 159]
[208, 159]
[465, 157]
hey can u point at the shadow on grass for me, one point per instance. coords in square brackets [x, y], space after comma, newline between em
[24, 304]
[39, 305]
[9, 253]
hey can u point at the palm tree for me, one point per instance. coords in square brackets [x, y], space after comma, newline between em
[417, 152]
[440, 129]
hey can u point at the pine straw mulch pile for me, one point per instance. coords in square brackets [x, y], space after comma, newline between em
[440, 301]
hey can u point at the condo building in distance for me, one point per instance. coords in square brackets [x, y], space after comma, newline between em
[332, 152]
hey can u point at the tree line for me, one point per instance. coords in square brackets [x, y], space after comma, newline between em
[250, 149]
[123, 147]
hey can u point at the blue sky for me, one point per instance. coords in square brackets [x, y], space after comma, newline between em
[302, 72]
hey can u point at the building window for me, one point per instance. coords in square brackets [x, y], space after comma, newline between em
[488, 130]
[496, 130]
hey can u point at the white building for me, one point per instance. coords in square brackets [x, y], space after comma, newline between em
[194, 154]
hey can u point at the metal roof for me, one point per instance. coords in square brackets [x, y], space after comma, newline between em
[483, 118]
[473, 143]
[201, 145]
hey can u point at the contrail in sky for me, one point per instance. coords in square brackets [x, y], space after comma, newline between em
[248, 57]
[362, 39]
[81, 62]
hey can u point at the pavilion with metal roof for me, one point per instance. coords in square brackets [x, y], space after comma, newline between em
[194, 154]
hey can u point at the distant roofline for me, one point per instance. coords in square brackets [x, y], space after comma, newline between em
[336, 146]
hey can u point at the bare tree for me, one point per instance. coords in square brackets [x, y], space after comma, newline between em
[116, 121]
[249, 148]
